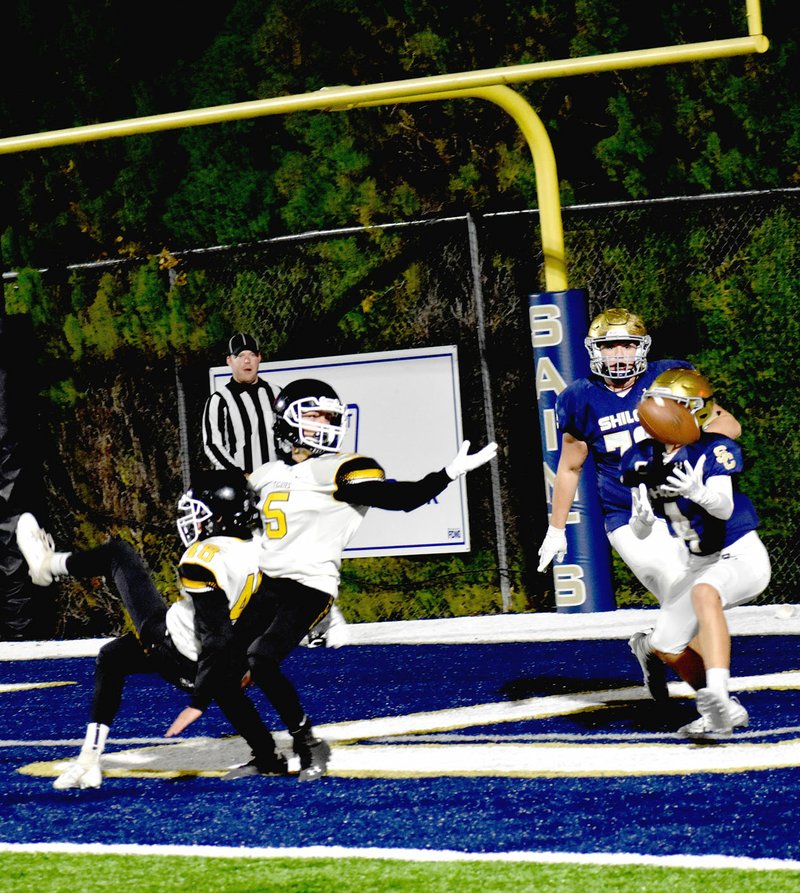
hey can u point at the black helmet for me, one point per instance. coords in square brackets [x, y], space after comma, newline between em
[316, 436]
[219, 503]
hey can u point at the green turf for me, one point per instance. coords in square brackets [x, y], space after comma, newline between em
[86, 873]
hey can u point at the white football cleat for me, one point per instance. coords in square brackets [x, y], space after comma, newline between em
[338, 630]
[37, 548]
[718, 718]
[78, 776]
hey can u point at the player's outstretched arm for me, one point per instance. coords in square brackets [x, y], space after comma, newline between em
[361, 481]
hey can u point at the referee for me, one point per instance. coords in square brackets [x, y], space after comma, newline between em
[237, 420]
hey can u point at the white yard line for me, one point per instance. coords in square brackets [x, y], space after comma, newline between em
[410, 855]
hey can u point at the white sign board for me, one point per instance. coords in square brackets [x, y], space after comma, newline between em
[404, 410]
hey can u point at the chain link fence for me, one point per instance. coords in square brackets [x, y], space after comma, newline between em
[702, 271]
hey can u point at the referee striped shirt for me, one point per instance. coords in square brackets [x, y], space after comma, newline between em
[237, 426]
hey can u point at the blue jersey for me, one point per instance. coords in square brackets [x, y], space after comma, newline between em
[609, 425]
[702, 533]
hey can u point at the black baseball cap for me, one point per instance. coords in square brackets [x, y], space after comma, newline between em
[242, 341]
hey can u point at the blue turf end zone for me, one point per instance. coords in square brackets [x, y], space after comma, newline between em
[735, 812]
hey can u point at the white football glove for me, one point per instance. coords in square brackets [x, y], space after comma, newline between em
[688, 482]
[554, 545]
[642, 515]
[464, 463]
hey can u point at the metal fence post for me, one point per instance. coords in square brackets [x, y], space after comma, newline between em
[488, 409]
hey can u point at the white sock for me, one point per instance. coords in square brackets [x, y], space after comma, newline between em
[717, 679]
[58, 564]
[93, 744]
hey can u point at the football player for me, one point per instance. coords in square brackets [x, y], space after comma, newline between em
[314, 497]
[597, 416]
[312, 500]
[190, 643]
[692, 487]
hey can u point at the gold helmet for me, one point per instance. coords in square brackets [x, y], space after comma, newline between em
[688, 387]
[617, 324]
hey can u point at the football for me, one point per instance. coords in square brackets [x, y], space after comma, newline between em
[667, 421]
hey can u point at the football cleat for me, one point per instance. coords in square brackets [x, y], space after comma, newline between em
[316, 762]
[718, 718]
[653, 671]
[314, 753]
[315, 638]
[37, 547]
[79, 776]
[274, 765]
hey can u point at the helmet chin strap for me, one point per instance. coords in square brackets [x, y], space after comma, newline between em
[620, 385]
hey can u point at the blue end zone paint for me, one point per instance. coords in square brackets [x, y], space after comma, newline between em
[738, 814]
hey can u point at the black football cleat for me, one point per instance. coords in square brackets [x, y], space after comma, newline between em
[274, 764]
[314, 753]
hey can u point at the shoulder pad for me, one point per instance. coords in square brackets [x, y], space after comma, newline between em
[356, 469]
[196, 576]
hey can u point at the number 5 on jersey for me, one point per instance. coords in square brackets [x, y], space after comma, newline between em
[275, 517]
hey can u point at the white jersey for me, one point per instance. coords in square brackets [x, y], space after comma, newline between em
[233, 565]
[305, 528]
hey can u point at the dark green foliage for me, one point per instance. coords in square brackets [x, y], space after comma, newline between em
[421, 588]
[751, 337]
[721, 125]
[113, 339]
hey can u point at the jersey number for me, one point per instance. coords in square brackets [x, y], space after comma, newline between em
[205, 552]
[682, 526]
[275, 516]
[252, 583]
[622, 440]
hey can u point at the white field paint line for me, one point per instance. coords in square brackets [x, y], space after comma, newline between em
[538, 760]
[199, 755]
[570, 737]
[785, 680]
[465, 717]
[495, 760]
[526, 709]
[711, 861]
[445, 738]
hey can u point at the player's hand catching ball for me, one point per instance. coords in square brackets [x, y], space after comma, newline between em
[688, 481]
